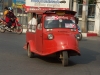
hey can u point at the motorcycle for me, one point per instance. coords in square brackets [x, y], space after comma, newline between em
[79, 36]
[16, 29]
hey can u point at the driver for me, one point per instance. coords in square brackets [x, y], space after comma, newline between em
[33, 22]
[12, 17]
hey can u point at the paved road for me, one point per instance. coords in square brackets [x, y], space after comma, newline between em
[14, 60]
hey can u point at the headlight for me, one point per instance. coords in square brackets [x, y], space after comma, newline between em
[50, 36]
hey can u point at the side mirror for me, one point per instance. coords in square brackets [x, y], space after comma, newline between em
[76, 20]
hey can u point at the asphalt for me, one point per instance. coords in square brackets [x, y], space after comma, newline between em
[14, 59]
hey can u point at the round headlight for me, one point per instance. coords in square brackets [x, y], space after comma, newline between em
[50, 36]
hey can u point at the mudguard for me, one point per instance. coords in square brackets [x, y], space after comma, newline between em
[32, 46]
[61, 42]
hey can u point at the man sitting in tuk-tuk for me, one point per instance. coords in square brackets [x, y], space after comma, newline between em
[33, 22]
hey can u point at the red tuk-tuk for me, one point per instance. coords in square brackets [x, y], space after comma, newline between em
[54, 34]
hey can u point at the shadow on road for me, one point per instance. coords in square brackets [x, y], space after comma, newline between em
[48, 59]
[53, 60]
[87, 56]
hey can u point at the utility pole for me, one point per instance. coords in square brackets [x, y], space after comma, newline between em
[84, 16]
[74, 5]
[70, 4]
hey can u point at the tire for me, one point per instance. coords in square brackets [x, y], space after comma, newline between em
[30, 54]
[80, 37]
[19, 29]
[2, 30]
[65, 58]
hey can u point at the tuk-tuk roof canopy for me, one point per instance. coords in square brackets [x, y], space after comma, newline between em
[42, 10]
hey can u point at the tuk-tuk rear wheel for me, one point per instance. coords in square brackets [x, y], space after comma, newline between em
[64, 59]
[30, 54]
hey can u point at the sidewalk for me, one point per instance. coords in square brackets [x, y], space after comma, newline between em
[95, 38]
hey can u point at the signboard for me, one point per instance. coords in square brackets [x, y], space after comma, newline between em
[48, 3]
[18, 3]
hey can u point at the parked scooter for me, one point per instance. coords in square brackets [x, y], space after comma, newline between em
[79, 33]
[79, 36]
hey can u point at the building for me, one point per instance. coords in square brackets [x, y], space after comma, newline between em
[93, 22]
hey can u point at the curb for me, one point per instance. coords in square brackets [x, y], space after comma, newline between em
[89, 34]
[83, 34]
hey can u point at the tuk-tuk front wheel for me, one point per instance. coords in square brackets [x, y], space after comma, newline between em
[64, 58]
[30, 54]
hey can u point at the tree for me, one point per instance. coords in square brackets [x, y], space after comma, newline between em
[80, 1]
[90, 1]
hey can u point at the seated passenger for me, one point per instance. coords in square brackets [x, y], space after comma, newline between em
[33, 22]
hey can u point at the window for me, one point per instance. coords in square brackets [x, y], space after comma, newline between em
[91, 10]
[52, 22]
[32, 28]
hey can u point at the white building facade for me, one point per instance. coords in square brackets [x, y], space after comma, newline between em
[97, 18]
[93, 24]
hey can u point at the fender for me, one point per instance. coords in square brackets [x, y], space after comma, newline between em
[61, 42]
[32, 45]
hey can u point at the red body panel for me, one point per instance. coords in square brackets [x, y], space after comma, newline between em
[63, 40]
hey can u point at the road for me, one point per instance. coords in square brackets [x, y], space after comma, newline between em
[14, 60]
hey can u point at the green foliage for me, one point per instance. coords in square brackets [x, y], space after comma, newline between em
[90, 1]
[80, 1]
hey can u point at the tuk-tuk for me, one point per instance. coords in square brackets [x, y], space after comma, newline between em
[54, 34]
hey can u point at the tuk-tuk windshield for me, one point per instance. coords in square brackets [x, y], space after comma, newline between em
[59, 22]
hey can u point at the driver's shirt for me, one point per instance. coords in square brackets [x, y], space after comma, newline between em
[32, 24]
[33, 21]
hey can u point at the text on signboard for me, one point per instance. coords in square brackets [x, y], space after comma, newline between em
[46, 1]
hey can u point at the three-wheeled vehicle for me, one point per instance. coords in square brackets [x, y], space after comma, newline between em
[53, 34]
